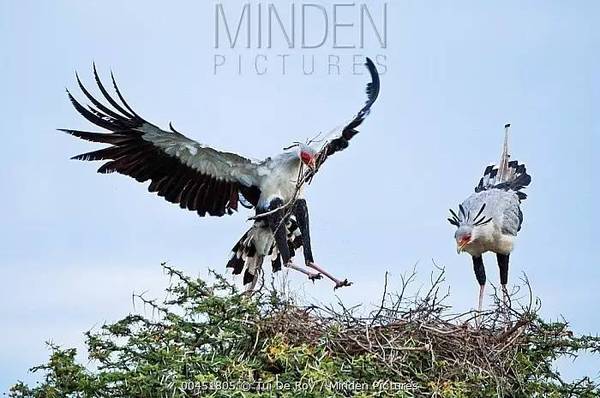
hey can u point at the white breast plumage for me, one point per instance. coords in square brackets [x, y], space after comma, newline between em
[281, 179]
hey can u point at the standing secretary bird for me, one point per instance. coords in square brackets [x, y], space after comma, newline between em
[490, 219]
[214, 183]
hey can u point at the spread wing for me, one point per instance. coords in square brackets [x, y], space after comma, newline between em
[341, 141]
[181, 170]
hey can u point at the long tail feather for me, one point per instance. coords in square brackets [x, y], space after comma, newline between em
[504, 158]
[508, 174]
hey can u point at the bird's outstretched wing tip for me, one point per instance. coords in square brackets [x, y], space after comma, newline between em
[374, 85]
[173, 129]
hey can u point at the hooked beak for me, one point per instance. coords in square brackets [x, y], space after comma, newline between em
[312, 164]
[461, 246]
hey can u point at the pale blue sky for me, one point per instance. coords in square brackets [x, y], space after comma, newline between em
[75, 244]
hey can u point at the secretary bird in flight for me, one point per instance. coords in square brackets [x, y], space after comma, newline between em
[490, 219]
[212, 182]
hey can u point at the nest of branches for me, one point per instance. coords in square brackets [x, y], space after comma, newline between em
[209, 339]
[418, 337]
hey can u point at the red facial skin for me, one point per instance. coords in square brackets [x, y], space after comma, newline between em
[308, 159]
[464, 240]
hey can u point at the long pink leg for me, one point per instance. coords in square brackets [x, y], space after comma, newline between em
[507, 305]
[480, 305]
[481, 289]
[311, 275]
[338, 283]
[505, 296]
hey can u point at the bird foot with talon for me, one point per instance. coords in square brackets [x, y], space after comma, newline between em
[314, 277]
[343, 283]
[338, 283]
[311, 275]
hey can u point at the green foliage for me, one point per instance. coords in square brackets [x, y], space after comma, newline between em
[210, 340]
